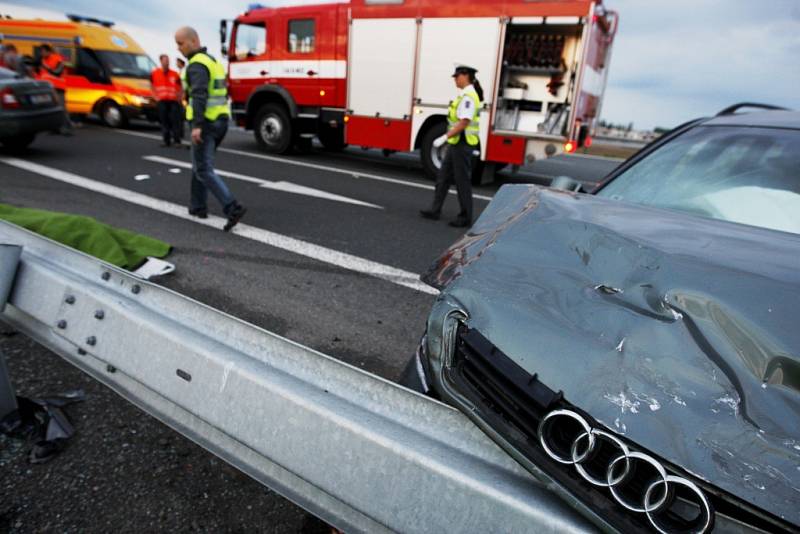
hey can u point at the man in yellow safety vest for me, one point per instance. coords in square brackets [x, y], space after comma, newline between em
[208, 113]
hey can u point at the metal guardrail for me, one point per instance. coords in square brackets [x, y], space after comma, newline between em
[358, 451]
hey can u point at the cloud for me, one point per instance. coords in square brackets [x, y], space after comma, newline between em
[679, 59]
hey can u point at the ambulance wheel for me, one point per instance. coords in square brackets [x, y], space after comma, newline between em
[273, 129]
[112, 115]
[431, 156]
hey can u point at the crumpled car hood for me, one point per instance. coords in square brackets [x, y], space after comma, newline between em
[678, 332]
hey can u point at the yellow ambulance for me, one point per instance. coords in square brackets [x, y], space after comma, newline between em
[107, 73]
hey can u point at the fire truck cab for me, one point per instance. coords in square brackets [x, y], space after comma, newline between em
[377, 74]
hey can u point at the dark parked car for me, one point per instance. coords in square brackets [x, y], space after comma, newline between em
[27, 107]
[638, 349]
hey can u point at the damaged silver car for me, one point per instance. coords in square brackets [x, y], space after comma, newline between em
[638, 348]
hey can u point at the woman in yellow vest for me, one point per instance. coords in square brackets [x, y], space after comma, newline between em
[462, 137]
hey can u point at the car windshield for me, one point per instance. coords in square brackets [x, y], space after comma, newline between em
[125, 64]
[741, 174]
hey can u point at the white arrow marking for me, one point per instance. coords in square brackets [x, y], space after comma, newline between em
[286, 187]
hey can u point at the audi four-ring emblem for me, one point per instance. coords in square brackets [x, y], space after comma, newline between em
[605, 461]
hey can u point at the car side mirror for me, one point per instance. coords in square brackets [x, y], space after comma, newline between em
[567, 183]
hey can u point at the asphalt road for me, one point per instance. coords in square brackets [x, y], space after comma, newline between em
[126, 470]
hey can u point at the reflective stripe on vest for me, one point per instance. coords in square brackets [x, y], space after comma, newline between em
[473, 128]
[166, 86]
[217, 104]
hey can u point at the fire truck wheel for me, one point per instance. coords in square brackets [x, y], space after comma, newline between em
[273, 129]
[432, 157]
[112, 115]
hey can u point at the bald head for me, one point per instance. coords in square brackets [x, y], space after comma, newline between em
[187, 40]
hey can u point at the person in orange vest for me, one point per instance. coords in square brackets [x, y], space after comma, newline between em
[167, 89]
[52, 70]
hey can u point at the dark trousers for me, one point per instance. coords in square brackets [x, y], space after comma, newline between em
[67, 125]
[180, 116]
[456, 169]
[171, 127]
[204, 178]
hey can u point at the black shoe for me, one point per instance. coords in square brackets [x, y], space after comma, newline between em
[235, 215]
[179, 144]
[166, 145]
[460, 223]
[429, 214]
[199, 213]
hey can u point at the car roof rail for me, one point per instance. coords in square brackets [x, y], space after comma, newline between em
[730, 110]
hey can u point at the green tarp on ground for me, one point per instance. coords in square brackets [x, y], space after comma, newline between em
[119, 247]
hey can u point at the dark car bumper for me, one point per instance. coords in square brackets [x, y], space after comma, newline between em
[18, 123]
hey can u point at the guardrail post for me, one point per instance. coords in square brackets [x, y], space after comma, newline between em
[9, 258]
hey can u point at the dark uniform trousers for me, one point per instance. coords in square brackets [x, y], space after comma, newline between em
[171, 121]
[456, 169]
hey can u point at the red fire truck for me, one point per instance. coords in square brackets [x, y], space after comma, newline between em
[376, 73]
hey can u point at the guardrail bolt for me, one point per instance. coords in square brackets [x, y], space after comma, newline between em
[91, 341]
[99, 314]
[70, 299]
[111, 369]
[106, 276]
[82, 352]
[62, 324]
[136, 289]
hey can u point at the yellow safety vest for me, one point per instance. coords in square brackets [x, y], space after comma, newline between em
[217, 104]
[473, 128]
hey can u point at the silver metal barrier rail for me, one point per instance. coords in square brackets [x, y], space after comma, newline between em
[390, 460]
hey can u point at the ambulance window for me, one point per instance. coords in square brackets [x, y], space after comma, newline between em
[68, 53]
[251, 40]
[301, 36]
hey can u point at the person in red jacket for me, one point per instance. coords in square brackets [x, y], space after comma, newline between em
[167, 90]
[52, 69]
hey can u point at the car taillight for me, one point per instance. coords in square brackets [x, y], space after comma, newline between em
[8, 100]
[570, 146]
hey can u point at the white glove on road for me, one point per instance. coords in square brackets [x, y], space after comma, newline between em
[439, 141]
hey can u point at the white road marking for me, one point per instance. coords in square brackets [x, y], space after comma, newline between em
[286, 187]
[327, 168]
[289, 244]
[140, 177]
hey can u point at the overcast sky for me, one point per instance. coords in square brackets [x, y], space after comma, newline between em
[673, 59]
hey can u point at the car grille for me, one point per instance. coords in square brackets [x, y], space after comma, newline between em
[551, 433]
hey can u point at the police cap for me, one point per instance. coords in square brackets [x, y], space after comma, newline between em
[461, 68]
